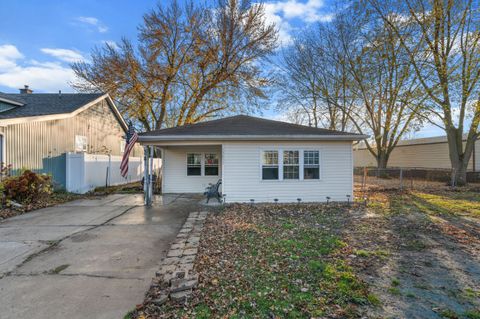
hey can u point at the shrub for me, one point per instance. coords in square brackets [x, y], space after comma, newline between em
[28, 188]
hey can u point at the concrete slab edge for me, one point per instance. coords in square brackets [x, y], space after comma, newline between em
[176, 278]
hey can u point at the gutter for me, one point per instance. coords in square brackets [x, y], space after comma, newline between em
[152, 138]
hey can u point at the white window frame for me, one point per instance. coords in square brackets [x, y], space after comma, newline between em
[123, 145]
[301, 164]
[202, 164]
[319, 164]
[81, 139]
[280, 168]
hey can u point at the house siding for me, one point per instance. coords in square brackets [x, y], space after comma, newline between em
[425, 155]
[175, 177]
[242, 173]
[41, 145]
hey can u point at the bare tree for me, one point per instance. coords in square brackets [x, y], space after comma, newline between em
[354, 72]
[387, 95]
[192, 63]
[314, 79]
[441, 38]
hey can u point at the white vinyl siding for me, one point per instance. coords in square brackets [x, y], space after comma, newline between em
[175, 175]
[242, 172]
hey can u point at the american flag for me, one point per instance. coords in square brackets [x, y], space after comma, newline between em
[131, 139]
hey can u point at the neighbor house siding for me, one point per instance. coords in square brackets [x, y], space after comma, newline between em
[41, 145]
[242, 180]
[175, 169]
[427, 154]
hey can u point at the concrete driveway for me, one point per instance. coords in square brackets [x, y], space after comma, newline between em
[86, 259]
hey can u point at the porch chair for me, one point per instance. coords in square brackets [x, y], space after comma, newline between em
[212, 191]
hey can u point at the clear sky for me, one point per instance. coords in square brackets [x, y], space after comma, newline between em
[40, 38]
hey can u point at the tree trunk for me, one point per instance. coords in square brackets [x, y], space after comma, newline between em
[382, 161]
[459, 157]
[459, 173]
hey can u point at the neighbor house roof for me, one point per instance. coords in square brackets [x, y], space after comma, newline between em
[39, 104]
[417, 141]
[243, 127]
[50, 106]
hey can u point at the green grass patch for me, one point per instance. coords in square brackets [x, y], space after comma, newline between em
[58, 269]
[371, 253]
[286, 268]
[472, 314]
[447, 313]
[395, 282]
[442, 202]
[394, 291]
[467, 203]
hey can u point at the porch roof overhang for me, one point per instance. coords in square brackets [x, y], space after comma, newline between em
[211, 139]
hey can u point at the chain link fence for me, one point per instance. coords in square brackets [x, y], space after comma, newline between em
[368, 178]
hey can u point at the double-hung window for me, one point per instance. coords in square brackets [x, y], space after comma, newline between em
[270, 165]
[202, 164]
[194, 164]
[211, 164]
[288, 164]
[291, 165]
[311, 165]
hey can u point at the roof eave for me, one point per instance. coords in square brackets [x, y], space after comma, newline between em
[12, 102]
[168, 138]
[59, 116]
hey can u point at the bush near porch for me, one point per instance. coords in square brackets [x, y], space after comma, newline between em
[407, 254]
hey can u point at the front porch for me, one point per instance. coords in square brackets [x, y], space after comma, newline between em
[186, 168]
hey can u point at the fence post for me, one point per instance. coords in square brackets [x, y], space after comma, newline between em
[401, 178]
[411, 177]
[365, 174]
[106, 177]
[454, 177]
[109, 169]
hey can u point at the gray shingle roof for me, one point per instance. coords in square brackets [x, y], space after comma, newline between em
[243, 125]
[38, 104]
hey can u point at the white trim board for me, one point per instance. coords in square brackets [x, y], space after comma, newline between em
[152, 140]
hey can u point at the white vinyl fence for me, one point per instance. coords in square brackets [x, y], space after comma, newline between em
[85, 172]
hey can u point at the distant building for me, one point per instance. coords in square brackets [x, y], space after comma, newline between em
[37, 130]
[428, 153]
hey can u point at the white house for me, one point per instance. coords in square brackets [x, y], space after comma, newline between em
[256, 159]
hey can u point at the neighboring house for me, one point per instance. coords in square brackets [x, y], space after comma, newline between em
[256, 159]
[37, 130]
[424, 153]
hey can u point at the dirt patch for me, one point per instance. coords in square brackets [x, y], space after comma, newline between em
[432, 265]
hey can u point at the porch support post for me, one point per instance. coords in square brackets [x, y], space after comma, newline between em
[146, 176]
[150, 183]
